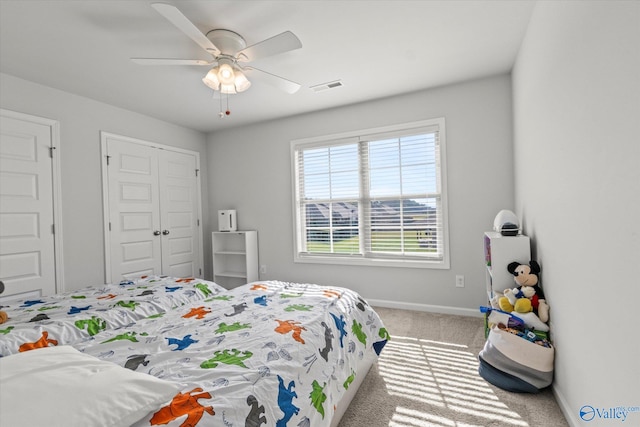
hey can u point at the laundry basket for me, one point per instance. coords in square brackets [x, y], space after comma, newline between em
[515, 364]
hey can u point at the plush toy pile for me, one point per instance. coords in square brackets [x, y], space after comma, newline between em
[507, 361]
[526, 301]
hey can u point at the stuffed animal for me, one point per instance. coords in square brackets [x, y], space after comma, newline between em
[527, 297]
[3, 314]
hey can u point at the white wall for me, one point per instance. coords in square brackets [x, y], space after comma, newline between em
[81, 120]
[251, 172]
[577, 170]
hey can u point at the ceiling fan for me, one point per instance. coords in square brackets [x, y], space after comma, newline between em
[228, 50]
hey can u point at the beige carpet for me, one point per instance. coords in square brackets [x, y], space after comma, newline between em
[427, 375]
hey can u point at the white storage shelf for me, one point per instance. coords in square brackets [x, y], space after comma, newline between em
[235, 257]
[499, 251]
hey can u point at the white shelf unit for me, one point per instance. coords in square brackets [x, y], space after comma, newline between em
[235, 257]
[499, 251]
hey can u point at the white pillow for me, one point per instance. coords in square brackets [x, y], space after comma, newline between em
[60, 386]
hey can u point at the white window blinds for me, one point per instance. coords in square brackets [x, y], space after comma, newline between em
[376, 196]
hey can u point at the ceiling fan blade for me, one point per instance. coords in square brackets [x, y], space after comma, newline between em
[170, 61]
[173, 15]
[273, 80]
[281, 43]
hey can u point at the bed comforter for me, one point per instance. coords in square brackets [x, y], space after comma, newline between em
[267, 353]
[74, 316]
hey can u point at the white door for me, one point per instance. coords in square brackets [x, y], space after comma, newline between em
[179, 214]
[153, 210]
[27, 244]
[134, 217]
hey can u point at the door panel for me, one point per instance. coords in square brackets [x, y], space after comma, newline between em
[133, 210]
[27, 249]
[179, 214]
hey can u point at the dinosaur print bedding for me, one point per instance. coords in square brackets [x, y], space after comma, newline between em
[75, 316]
[267, 353]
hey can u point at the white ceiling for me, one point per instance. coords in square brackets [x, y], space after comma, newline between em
[377, 48]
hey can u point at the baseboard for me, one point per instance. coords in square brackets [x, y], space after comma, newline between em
[442, 309]
[564, 407]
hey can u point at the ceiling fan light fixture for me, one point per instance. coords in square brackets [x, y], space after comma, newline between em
[241, 82]
[226, 74]
[228, 89]
[238, 83]
[211, 79]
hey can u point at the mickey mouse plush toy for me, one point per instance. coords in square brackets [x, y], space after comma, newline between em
[528, 296]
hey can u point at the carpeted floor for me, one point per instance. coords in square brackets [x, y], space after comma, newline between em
[427, 375]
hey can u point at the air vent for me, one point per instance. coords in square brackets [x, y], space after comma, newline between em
[326, 86]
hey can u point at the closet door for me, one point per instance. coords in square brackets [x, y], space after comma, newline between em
[134, 210]
[179, 214]
[153, 224]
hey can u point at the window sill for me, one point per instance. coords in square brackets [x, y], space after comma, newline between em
[372, 262]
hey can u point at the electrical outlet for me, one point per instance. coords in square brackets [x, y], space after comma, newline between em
[263, 269]
[459, 281]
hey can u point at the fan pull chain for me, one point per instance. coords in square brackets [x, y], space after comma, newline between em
[227, 112]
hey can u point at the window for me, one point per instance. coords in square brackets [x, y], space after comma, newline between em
[372, 197]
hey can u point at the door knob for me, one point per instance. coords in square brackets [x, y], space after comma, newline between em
[156, 233]
[165, 232]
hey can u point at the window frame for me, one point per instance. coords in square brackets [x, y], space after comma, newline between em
[357, 136]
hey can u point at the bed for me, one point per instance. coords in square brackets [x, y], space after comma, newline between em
[266, 353]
